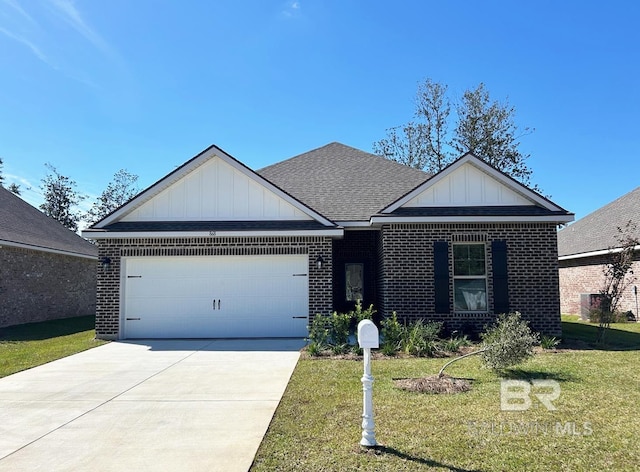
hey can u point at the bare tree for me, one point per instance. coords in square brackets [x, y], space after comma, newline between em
[618, 276]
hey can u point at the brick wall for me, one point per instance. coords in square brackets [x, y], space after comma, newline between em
[585, 275]
[406, 274]
[108, 296]
[39, 286]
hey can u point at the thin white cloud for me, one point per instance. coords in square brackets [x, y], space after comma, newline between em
[70, 14]
[34, 49]
[291, 9]
[16, 7]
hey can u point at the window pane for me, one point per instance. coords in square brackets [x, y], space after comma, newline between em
[354, 278]
[470, 294]
[468, 259]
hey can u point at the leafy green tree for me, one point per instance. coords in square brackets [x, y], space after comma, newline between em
[483, 127]
[119, 191]
[61, 198]
[487, 129]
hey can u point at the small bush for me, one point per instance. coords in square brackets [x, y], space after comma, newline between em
[596, 316]
[549, 342]
[508, 342]
[392, 335]
[421, 339]
[319, 332]
[454, 344]
[359, 314]
[339, 329]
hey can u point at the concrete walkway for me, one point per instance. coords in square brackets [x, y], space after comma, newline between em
[174, 405]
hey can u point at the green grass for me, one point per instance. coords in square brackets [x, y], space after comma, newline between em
[317, 425]
[33, 344]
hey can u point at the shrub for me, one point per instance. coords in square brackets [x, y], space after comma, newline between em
[454, 343]
[596, 316]
[339, 328]
[508, 342]
[392, 334]
[421, 339]
[359, 314]
[549, 342]
[318, 332]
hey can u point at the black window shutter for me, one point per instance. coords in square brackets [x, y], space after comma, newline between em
[500, 277]
[441, 275]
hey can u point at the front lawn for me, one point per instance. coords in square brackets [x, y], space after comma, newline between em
[33, 344]
[317, 426]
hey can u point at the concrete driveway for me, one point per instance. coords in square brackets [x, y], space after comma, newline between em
[174, 405]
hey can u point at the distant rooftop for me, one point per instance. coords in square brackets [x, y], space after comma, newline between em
[599, 230]
[21, 224]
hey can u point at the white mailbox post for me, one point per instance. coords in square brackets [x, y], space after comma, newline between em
[368, 338]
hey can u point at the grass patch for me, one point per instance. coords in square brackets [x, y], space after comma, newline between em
[317, 425]
[580, 334]
[29, 345]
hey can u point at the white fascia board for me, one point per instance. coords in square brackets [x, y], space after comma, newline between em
[354, 224]
[45, 249]
[471, 219]
[601, 252]
[95, 235]
[189, 166]
[487, 169]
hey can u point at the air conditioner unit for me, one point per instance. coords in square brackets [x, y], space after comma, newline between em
[588, 301]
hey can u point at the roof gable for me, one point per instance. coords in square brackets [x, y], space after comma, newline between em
[471, 182]
[344, 183]
[22, 225]
[213, 186]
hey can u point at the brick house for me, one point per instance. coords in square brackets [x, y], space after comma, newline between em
[46, 271]
[215, 249]
[583, 249]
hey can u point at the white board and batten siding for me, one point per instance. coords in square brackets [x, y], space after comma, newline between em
[467, 186]
[216, 191]
[216, 297]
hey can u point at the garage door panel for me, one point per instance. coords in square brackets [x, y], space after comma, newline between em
[217, 296]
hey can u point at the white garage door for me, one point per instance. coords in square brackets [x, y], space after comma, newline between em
[216, 297]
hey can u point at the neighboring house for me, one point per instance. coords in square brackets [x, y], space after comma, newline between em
[46, 271]
[583, 249]
[215, 249]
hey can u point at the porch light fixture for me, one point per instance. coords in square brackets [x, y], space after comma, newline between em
[319, 261]
[106, 263]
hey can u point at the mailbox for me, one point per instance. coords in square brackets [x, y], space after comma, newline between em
[368, 334]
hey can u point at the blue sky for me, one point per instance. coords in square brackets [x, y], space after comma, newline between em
[96, 86]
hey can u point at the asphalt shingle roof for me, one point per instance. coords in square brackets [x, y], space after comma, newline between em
[23, 224]
[599, 230]
[344, 183]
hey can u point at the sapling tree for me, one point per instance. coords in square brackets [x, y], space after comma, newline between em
[508, 342]
[618, 276]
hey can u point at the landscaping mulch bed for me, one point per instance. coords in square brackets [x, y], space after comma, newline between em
[434, 384]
